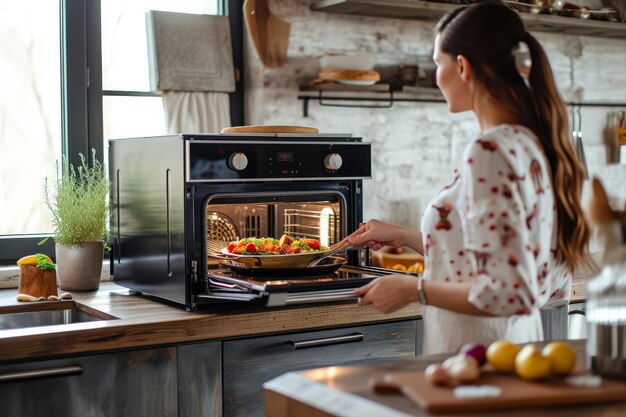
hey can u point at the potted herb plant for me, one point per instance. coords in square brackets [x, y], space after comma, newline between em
[79, 207]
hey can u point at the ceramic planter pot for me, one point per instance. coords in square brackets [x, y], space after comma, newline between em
[79, 266]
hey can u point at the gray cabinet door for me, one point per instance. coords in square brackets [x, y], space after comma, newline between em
[133, 383]
[554, 323]
[248, 363]
[200, 380]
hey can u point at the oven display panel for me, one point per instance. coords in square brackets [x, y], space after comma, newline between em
[213, 161]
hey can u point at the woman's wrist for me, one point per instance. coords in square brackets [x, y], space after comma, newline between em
[421, 294]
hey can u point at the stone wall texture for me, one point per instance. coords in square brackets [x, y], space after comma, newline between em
[417, 145]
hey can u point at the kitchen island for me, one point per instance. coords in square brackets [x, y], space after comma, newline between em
[347, 391]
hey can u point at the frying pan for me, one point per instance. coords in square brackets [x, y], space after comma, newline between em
[327, 266]
[294, 260]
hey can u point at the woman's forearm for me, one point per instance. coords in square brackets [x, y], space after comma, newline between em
[413, 239]
[451, 296]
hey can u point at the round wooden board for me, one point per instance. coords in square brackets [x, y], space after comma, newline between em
[270, 129]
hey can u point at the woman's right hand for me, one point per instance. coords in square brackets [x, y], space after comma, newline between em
[377, 234]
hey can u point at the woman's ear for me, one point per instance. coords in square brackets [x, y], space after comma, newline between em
[464, 68]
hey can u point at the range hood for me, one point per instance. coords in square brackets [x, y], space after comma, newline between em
[432, 11]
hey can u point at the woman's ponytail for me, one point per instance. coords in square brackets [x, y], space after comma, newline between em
[552, 127]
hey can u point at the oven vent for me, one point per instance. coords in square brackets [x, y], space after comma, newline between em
[312, 224]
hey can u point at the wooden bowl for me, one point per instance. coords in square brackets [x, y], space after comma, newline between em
[387, 257]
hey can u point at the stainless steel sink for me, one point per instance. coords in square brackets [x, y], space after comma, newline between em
[49, 314]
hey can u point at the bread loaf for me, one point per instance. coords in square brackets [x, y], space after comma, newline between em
[331, 74]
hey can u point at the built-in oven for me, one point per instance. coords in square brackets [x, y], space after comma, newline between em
[177, 200]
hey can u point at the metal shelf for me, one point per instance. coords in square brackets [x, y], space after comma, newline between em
[341, 101]
[385, 99]
[432, 11]
[377, 96]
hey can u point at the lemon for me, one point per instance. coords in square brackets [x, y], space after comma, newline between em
[501, 355]
[417, 268]
[399, 267]
[531, 364]
[562, 357]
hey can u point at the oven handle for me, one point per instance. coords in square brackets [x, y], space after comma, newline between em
[326, 341]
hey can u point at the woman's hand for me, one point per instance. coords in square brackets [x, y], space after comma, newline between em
[389, 293]
[377, 234]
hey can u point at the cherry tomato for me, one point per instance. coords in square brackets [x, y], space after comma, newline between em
[231, 247]
[251, 247]
[313, 244]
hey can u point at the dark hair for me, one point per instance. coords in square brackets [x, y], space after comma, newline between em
[488, 34]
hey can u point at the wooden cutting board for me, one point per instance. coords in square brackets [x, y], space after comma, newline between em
[516, 393]
[270, 129]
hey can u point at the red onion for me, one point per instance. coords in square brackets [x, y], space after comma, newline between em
[476, 351]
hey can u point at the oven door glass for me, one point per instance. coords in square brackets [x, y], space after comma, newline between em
[308, 215]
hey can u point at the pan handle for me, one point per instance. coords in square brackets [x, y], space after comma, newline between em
[326, 341]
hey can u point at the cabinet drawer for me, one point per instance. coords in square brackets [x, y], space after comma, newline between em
[135, 383]
[249, 363]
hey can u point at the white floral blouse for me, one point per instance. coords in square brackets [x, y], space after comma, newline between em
[494, 226]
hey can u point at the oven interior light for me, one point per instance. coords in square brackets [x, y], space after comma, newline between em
[325, 225]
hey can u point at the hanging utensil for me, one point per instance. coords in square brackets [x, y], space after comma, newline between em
[270, 35]
[579, 142]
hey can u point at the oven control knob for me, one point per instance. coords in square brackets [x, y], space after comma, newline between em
[238, 161]
[333, 161]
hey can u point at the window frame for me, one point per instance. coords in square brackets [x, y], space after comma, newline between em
[82, 97]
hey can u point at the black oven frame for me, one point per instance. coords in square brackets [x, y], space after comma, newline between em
[158, 218]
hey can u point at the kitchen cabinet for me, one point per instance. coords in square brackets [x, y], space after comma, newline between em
[200, 379]
[554, 323]
[577, 321]
[248, 363]
[129, 383]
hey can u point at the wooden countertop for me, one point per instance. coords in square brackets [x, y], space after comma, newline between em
[142, 321]
[346, 391]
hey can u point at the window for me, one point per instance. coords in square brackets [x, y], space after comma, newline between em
[30, 112]
[74, 76]
[128, 107]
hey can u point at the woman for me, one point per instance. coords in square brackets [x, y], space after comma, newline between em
[501, 239]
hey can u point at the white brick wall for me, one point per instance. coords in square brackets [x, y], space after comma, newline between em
[415, 145]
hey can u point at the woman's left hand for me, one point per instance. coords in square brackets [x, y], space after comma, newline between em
[388, 293]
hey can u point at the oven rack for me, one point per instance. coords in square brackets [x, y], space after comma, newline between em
[299, 223]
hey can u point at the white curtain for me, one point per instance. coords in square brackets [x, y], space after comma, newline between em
[196, 112]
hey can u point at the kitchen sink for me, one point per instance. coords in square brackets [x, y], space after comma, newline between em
[49, 313]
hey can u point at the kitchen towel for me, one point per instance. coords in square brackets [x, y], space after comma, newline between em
[196, 111]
